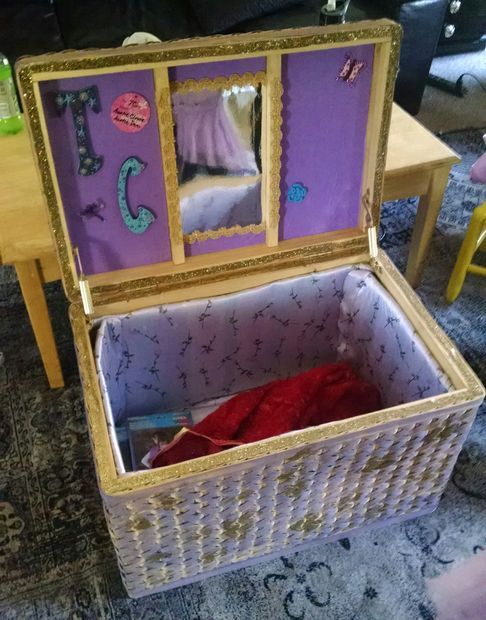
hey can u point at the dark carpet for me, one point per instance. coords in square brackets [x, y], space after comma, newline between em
[56, 559]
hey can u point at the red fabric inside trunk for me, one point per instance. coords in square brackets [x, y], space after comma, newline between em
[324, 394]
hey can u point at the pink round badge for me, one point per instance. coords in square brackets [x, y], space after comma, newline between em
[130, 112]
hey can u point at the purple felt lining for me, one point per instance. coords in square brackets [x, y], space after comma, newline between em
[109, 245]
[324, 129]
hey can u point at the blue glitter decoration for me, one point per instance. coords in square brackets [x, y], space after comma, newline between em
[297, 192]
[77, 100]
[139, 224]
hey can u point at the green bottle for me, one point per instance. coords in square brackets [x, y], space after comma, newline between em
[10, 118]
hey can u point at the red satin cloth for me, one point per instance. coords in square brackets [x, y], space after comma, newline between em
[328, 393]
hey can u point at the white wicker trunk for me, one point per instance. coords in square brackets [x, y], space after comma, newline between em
[367, 471]
[326, 97]
[184, 531]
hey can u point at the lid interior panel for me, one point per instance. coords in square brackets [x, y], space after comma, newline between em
[324, 121]
[321, 140]
[100, 233]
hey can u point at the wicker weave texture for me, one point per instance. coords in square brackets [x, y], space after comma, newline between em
[189, 527]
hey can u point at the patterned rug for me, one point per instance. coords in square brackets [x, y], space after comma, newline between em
[56, 560]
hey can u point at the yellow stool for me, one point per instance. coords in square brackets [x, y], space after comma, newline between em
[475, 237]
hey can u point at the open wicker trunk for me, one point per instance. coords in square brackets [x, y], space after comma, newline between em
[198, 268]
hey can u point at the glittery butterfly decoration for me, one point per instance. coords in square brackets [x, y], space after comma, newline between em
[350, 70]
[92, 210]
[297, 192]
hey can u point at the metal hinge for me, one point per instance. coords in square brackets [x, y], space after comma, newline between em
[371, 228]
[84, 288]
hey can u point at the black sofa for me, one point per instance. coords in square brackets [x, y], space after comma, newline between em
[37, 26]
[421, 21]
[464, 28]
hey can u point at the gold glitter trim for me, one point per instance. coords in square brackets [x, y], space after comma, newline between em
[32, 117]
[236, 529]
[395, 40]
[294, 491]
[305, 255]
[309, 523]
[153, 56]
[276, 91]
[219, 83]
[233, 45]
[138, 524]
[199, 235]
[166, 131]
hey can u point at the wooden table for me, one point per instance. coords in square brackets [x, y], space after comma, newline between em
[26, 243]
[418, 164]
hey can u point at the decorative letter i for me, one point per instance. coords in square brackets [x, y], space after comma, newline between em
[132, 166]
[89, 162]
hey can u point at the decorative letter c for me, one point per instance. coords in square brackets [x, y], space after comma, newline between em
[140, 223]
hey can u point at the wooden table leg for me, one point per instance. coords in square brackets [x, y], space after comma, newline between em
[427, 212]
[31, 285]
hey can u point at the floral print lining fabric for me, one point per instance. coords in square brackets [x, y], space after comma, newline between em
[172, 357]
[379, 342]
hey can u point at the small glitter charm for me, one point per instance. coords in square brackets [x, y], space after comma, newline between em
[297, 192]
[350, 70]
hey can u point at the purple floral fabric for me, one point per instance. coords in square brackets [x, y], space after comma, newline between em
[175, 356]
